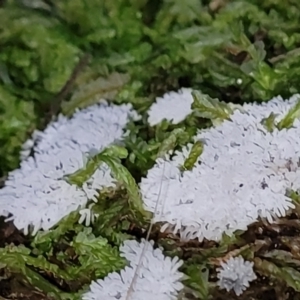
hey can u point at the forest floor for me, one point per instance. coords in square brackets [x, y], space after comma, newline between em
[58, 56]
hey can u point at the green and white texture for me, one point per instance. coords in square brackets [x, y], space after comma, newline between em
[242, 174]
[249, 159]
[37, 195]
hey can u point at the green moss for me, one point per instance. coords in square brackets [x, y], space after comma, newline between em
[240, 51]
[16, 120]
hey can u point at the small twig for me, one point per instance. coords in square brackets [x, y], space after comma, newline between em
[277, 58]
[217, 261]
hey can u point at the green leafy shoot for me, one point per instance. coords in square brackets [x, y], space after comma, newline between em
[92, 164]
[291, 116]
[43, 241]
[18, 260]
[210, 108]
[198, 280]
[112, 157]
[110, 210]
[294, 195]
[125, 178]
[195, 153]
[269, 122]
[288, 275]
[142, 154]
[116, 237]
[95, 255]
[170, 142]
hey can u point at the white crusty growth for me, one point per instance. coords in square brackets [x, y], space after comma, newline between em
[236, 274]
[37, 195]
[158, 277]
[173, 107]
[242, 174]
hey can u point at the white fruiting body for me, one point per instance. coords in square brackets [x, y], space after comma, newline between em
[236, 274]
[37, 194]
[174, 107]
[158, 276]
[242, 174]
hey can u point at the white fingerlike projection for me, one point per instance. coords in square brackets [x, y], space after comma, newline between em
[242, 175]
[236, 274]
[36, 195]
[173, 107]
[157, 277]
